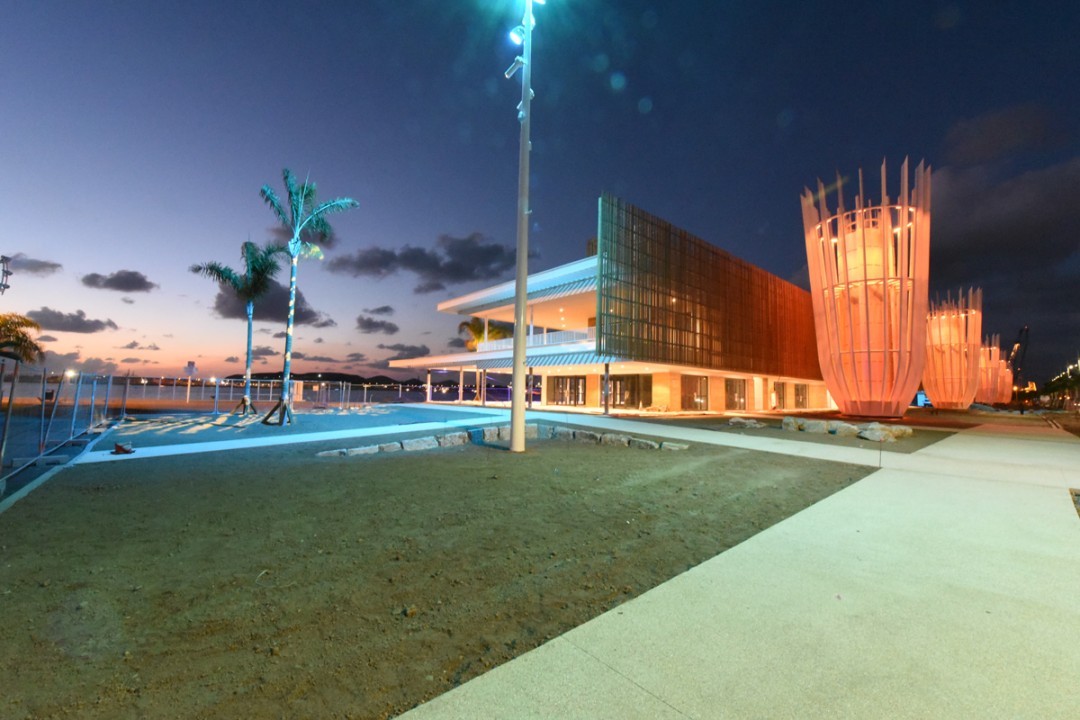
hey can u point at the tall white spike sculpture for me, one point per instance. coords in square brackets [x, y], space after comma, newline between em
[953, 344]
[1005, 383]
[869, 273]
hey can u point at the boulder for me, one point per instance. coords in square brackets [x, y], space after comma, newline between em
[843, 429]
[451, 439]
[815, 426]
[364, 450]
[877, 434]
[901, 431]
[614, 439]
[532, 432]
[789, 423]
[745, 423]
[491, 434]
[643, 444]
[420, 443]
[504, 432]
[668, 445]
[586, 436]
[389, 447]
[543, 432]
[330, 453]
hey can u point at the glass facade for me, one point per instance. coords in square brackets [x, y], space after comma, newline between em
[631, 391]
[802, 396]
[568, 390]
[779, 401]
[734, 394]
[695, 392]
[666, 296]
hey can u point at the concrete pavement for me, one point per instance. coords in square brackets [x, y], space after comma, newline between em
[944, 585]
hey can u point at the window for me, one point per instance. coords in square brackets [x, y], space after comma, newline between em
[695, 392]
[566, 390]
[734, 394]
[802, 395]
[779, 393]
[631, 391]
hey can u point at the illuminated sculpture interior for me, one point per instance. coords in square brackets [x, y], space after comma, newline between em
[995, 375]
[953, 345]
[869, 269]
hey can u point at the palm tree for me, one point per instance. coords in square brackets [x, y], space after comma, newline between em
[474, 327]
[306, 222]
[15, 341]
[260, 266]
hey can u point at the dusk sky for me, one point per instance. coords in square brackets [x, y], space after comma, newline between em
[134, 138]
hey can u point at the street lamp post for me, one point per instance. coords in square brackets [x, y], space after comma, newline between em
[523, 62]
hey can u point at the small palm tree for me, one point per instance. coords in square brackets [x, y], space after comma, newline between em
[15, 341]
[260, 266]
[306, 222]
[474, 328]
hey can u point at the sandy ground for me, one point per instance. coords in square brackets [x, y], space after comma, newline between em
[272, 583]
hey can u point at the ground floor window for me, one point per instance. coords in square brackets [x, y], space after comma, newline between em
[566, 390]
[734, 394]
[695, 392]
[631, 391]
[779, 393]
[802, 395]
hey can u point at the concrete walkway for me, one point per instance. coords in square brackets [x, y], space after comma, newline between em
[944, 585]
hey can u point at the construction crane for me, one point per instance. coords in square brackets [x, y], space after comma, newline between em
[1016, 356]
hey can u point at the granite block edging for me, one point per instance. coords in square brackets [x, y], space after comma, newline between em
[494, 433]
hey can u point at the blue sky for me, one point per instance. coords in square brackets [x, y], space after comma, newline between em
[135, 137]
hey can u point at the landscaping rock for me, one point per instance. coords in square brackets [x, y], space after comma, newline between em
[543, 432]
[790, 423]
[364, 450]
[389, 447]
[901, 431]
[330, 453]
[745, 422]
[420, 443]
[877, 434]
[491, 434]
[531, 431]
[587, 436]
[815, 426]
[451, 439]
[504, 432]
[666, 445]
[615, 439]
[843, 429]
[643, 444]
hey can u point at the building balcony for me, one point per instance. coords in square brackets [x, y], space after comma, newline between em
[560, 337]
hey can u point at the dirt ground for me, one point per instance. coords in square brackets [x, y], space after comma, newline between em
[272, 583]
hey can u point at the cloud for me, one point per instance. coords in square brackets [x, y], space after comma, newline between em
[129, 360]
[381, 310]
[72, 361]
[455, 342]
[134, 345]
[20, 263]
[232, 359]
[369, 325]
[262, 351]
[76, 322]
[452, 261]
[1015, 234]
[127, 301]
[121, 280]
[405, 352]
[319, 358]
[280, 335]
[356, 357]
[46, 338]
[282, 235]
[271, 307]
[1002, 133]
[318, 341]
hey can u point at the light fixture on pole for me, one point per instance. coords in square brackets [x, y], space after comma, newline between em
[521, 35]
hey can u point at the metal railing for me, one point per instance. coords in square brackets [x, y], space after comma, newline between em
[560, 337]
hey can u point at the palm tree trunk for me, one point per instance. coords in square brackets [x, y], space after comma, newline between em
[283, 409]
[245, 405]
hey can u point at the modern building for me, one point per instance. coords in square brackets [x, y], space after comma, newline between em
[656, 319]
[953, 332]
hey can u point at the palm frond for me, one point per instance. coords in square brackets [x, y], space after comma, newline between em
[222, 274]
[15, 341]
[334, 206]
[271, 199]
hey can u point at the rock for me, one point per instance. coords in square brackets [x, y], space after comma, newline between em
[815, 426]
[543, 432]
[643, 444]
[451, 439]
[843, 429]
[745, 423]
[389, 447]
[562, 433]
[901, 431]
[420, 443]
[364, 450]
[668, 445]
[330, 453]
[615, 439]
[877, 435]
[504, 432]
[587, 436]
[491, 434]
[531, 431]
[789, 423]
